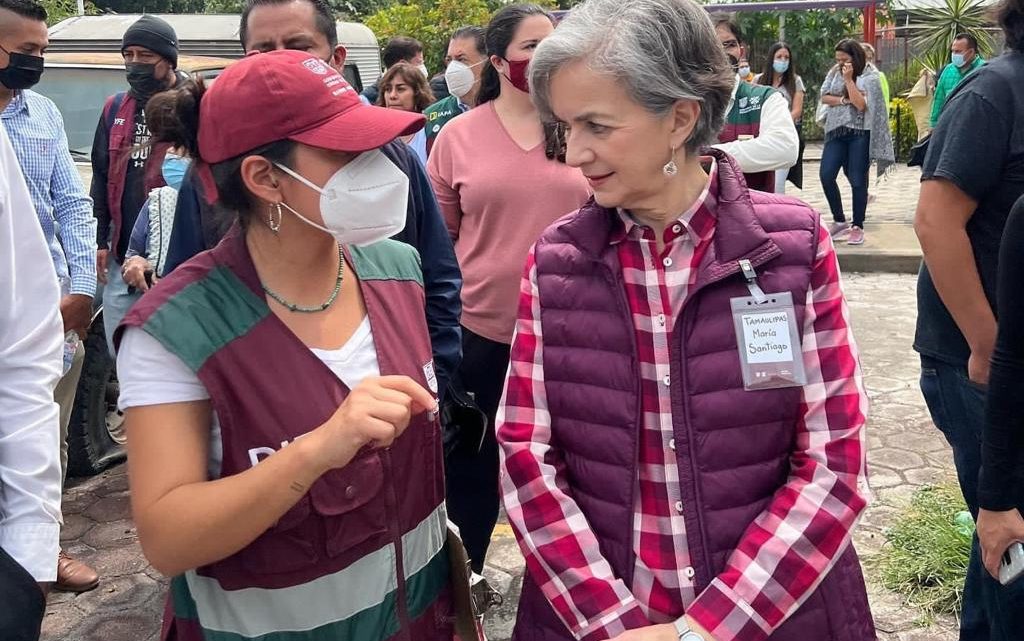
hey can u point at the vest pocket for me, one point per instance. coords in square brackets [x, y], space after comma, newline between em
[282, 548]
[348, 500]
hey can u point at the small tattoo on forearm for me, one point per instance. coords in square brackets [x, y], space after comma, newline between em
[298, 487]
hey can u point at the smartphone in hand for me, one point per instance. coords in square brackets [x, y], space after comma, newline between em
[1012, 566]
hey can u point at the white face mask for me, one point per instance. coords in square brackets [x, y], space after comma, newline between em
[423, 69]
[363, 202]
[459, 78]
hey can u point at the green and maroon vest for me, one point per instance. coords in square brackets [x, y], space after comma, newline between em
[745, 120]
[362, 556]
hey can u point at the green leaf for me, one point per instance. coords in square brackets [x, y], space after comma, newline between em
[937, 27]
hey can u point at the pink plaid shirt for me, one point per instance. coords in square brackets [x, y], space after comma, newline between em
[785, 552]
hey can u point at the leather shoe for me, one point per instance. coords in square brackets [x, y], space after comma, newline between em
[74, 576]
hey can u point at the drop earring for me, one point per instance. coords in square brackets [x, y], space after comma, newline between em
[671, 168]
[272, 222]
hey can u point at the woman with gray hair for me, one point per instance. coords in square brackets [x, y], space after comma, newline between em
[683, 422]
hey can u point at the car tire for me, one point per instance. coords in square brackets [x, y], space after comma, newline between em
[91, 447]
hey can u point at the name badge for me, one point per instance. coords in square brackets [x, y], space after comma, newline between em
[767, 338]
[428, 373]
[768, 342]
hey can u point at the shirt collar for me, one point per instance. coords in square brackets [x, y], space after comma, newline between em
[732, 96]
[17, 105]
[698, 220]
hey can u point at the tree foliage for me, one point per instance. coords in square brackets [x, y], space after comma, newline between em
[938, 26]
[58, 10]
[432, 23]
[151, 6]
[812, 35]
[223, 6]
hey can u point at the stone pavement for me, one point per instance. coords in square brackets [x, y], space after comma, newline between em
[906, 452]
[891, 244]
[895, 196]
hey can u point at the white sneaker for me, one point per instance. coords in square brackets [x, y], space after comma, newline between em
[836, 230]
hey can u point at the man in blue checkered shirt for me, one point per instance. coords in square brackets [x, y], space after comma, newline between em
[36, 130]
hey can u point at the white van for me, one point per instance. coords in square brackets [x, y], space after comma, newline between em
[208, 35]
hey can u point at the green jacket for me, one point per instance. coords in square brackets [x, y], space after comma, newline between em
[438, 115]
[885, 90]
[951, 77]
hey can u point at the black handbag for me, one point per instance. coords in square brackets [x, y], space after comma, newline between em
[918, 152]
[463, 423]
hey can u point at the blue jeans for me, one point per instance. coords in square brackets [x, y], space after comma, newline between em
[116, 301]
[849, 153]
[991, 612]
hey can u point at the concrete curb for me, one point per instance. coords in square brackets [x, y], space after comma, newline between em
[879, 261]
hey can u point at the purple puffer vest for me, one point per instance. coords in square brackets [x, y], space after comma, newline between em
[733, 446]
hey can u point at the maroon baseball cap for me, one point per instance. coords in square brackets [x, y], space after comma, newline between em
[291, 95]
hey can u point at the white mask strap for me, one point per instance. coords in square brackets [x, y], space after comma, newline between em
[299, 178]
[304, 219]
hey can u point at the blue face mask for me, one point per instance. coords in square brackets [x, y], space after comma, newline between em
[780, 66]
[958, 59]
[174, 169]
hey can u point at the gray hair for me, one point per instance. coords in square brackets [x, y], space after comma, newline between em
[660, 51]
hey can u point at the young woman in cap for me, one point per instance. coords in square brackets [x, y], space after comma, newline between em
[268, 383]
[499, 181]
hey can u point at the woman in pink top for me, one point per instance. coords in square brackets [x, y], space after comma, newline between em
[500, 178]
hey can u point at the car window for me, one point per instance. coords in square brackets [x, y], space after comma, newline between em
[351, 74]
[80, 94]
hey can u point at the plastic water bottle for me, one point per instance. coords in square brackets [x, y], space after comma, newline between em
[964, 523]
[72, 343]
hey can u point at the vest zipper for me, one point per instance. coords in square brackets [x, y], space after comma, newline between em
[620, 286]
[690, 443]
[401, 603]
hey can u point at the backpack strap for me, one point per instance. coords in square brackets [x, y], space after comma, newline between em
[112, 106]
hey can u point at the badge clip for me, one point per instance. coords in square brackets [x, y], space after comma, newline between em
[751, 275]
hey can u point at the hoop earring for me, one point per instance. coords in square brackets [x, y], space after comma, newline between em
[671, 168]
[274, 224]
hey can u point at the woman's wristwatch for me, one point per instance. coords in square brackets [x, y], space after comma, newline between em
[685, 632]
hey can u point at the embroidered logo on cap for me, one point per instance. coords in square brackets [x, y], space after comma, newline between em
[317, 66]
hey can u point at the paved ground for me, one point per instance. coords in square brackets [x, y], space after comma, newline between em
[895, 196]
[905, 453]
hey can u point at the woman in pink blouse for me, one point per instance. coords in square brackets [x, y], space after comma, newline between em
[500, 181]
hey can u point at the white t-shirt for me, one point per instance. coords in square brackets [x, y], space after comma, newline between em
[151, 375]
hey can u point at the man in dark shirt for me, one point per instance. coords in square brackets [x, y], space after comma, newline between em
[125, 167]
[972, 176]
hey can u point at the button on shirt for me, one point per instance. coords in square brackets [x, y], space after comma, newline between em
[657, 285]
[36, 130]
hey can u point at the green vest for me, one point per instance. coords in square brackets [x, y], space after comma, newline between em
[438, 115]
[746, 108]
[745, 120]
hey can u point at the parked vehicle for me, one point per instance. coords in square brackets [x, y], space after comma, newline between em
[79, 83]
[208, 35]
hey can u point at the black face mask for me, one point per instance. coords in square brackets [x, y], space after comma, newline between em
[142, 79]
[733, 60]
[22, 71]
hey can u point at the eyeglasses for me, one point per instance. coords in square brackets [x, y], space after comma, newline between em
[730, 44]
